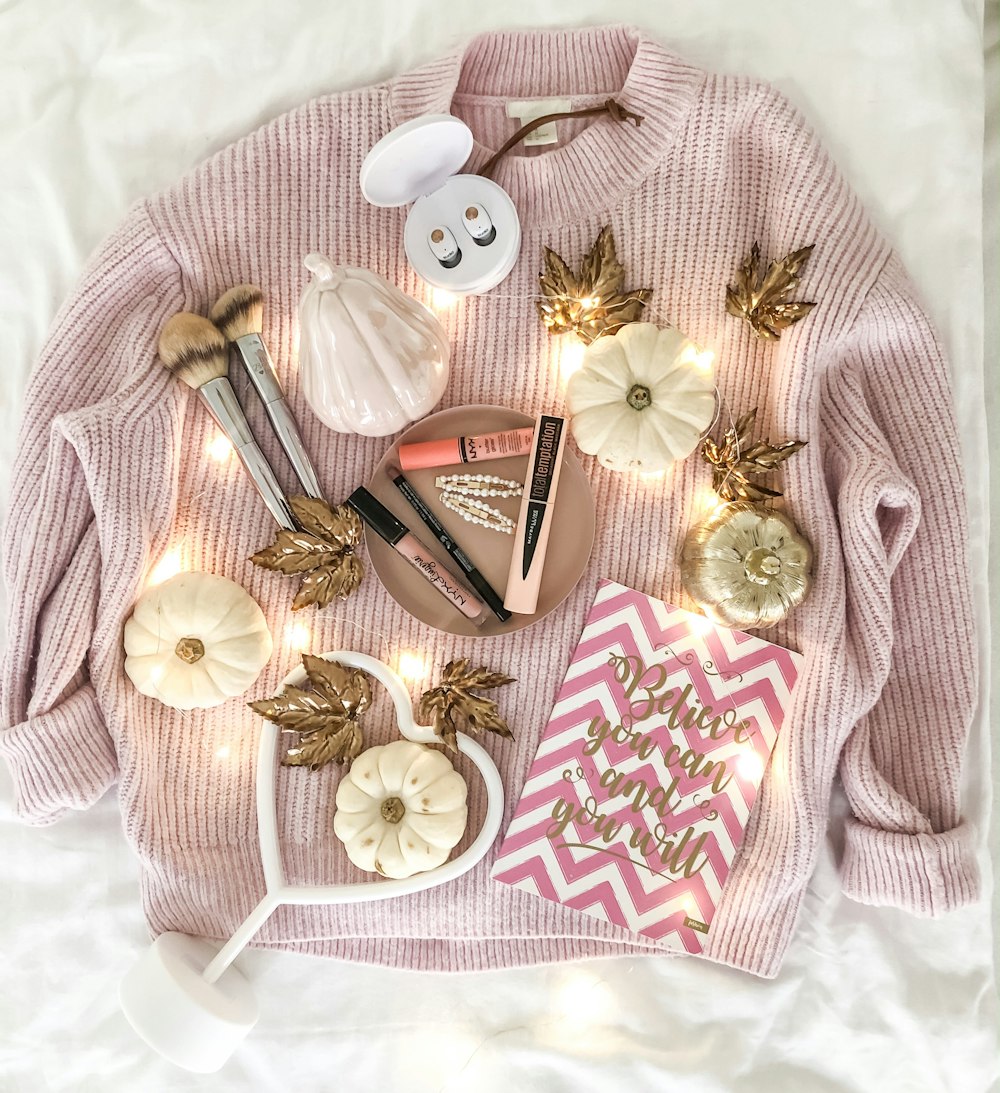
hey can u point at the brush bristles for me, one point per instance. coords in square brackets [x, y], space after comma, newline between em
[193, 349]
[239, 311]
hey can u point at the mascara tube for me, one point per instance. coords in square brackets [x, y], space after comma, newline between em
[534, 521]
[408, 546]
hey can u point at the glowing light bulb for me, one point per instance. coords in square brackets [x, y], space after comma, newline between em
[705, 360]
[696, 357]
[701, 624]
[581, 1003]
[750, 765]
[223, 752]
[219, 448]
[412, 666]
[706, 501]
[297, 636]
[442, 299]
[650, 478]
[690, 907]
[571, 352]
[168, 566]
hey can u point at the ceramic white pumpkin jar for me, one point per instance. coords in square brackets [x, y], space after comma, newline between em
[195, 640]
[400, 809]
[642, 398]
[371, 358]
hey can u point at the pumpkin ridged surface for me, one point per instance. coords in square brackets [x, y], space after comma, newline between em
[216, 612]
[432, 793]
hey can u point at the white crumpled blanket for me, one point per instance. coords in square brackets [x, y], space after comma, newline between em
[105, 101]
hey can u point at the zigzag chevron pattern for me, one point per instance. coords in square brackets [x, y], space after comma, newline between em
[639, 794]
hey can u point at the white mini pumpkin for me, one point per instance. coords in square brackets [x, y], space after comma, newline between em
[400, 809]
[642, 398]
[195, 640]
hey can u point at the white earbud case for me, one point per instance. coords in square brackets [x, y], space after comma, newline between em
[416, 162]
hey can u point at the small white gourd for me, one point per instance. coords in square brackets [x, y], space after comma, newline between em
[195, 640]
[642, 398]
[400, 809]
[371, 358]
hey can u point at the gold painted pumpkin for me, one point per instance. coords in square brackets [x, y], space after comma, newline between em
[746, 567]
[642, 398]
[195, 640]
[400, 809]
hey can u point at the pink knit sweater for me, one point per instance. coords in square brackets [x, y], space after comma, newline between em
[112, 474]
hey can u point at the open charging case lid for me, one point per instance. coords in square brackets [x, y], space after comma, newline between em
[414, 159]
[417, 162]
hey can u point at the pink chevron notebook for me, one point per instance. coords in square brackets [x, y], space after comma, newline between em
[640, 792]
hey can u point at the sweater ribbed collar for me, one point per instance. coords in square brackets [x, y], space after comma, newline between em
[585, 65]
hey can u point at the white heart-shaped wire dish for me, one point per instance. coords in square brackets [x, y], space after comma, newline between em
[183, 997]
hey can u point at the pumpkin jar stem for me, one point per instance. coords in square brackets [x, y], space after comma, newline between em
[761, 565]
[190, 650]
[639, 396]
[393, 810]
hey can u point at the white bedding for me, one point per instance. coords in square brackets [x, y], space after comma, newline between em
[105, 101]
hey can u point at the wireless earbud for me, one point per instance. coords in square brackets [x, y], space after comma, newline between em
[445, 249]
[479, 226]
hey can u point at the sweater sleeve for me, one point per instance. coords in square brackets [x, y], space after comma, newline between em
[894, 472]
[54, 736]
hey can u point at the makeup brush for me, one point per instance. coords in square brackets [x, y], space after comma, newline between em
[196, 353]
[239, 314]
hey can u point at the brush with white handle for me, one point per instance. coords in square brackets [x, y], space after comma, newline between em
[239, 314]
[194, 350]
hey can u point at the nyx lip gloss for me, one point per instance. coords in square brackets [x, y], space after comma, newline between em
[455, 552]
[407, 545]
[465, 449]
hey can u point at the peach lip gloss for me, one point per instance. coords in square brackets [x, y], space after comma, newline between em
[465, 449]
[408, 546]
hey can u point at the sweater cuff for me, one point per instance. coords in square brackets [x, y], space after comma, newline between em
[924, 874]
[60, 760]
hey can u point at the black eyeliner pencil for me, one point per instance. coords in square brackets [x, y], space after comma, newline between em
[457, 554]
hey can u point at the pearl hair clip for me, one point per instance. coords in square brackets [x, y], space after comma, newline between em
[478, 512]
[479, 485]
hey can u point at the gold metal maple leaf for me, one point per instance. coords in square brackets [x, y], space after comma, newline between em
[325, 718]
[453, 706]
[591, 303]
[763, 301]
[737, 460]
[320, 550]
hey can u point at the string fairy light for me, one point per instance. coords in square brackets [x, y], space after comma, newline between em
[702, 625]
[648, 315]
[298, 636]
[571, 352]
[219, 448]
[442, 299]
[411, 665]
[168, 566]
[750, 765]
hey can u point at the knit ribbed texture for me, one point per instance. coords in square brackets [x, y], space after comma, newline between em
[113, 474]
